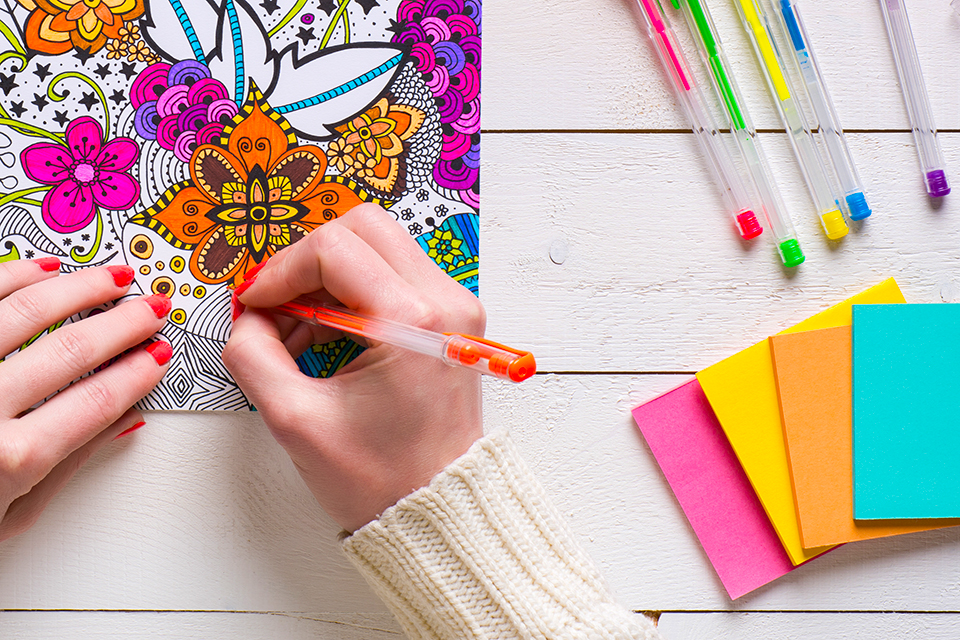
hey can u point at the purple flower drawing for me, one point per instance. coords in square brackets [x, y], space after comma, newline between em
[85, 173]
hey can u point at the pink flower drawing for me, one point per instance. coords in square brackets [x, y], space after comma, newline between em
[86, 172]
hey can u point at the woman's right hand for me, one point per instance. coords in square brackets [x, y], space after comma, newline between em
[389, 421]
[41, 449]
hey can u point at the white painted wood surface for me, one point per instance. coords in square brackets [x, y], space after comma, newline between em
[606, 251]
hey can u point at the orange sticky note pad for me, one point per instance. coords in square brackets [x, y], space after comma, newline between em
[813, 375]
[742, 391]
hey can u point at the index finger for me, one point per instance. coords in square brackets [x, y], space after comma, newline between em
[18, 274]
[293, 271]
[335, 260]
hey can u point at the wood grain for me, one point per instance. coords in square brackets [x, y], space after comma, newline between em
[589, 65]
[823, 626]
[606, 251]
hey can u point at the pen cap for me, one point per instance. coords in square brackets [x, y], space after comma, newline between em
[488, 357]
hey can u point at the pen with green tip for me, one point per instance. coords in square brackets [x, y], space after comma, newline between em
[785, 99]
[711, 51]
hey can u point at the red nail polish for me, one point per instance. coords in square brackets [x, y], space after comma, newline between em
[160, 304]
[49, 264]
[250, 275]
[236, 307]
[246, 284]
[130, 430]
[161, 352]
[122, 275]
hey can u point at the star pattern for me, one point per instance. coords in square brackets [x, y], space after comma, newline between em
[118, 96]
[103, 71]
[88, 100]
[128, 70]
[82, 55]
[328, 6]
[397, 27]
[42, 71]
[17, 108]
[270, 6]
[367, 5]
[61, 118]
[306, 35]
[40, 100]
[7, 83]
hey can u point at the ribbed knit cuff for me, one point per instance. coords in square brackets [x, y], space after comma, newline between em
[482, 553]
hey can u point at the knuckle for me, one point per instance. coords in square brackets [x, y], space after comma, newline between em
[367, 213]
[99, 400]
[17, 459]
[426, 314]
[29, 307]
[327, 236]
[235, 354]
[475, 316]
[74, 349]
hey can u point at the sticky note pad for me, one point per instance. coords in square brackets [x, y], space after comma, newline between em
[712, 489]
[906, 411]
[743, 393]
[813, 371]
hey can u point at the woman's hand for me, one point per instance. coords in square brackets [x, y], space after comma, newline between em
[41, 449]
[389, 421]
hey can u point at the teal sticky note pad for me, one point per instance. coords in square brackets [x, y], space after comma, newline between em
[906, 411]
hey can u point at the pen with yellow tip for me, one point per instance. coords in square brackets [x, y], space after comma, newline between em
[785, 99]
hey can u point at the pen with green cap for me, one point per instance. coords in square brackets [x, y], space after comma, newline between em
[710, 48]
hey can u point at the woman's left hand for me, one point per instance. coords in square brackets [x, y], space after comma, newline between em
[41, 449]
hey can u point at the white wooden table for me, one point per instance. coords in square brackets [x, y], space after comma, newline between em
[606, 251]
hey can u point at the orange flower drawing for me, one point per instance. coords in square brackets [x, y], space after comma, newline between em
[56, 26]
[249, 197]
[371, 145]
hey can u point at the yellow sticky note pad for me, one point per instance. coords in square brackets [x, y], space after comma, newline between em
[743, 393]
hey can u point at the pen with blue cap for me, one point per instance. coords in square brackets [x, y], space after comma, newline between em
[854, 202]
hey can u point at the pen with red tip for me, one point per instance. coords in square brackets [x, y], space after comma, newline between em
[455, 349]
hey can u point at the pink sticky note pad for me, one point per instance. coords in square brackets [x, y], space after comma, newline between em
[712, 489]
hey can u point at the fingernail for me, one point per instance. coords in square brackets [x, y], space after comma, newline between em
[161, 352]
[122, 274]
[130, 430]
[49, 264]
[250, 275]
[160, 304]
[236, 307]
[246, 284]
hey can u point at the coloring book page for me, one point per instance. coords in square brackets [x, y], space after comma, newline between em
[193, 139]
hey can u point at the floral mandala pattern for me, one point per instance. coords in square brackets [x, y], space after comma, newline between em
[57, 26]
[193, 139]
[249, 198]
[371, 146]
[85, 173]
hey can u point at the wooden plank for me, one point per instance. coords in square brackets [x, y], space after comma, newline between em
[577, 65]
[199, 511]
[823, 626]
[194, 625]
[205, 512]
[578, 435]
[612, 252]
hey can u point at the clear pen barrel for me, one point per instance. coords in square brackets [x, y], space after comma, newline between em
[735, 194]
[915, 96]
[851, 187]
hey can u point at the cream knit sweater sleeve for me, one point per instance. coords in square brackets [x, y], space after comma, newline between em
[482, 553]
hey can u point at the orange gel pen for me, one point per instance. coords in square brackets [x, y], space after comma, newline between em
[455, 349]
